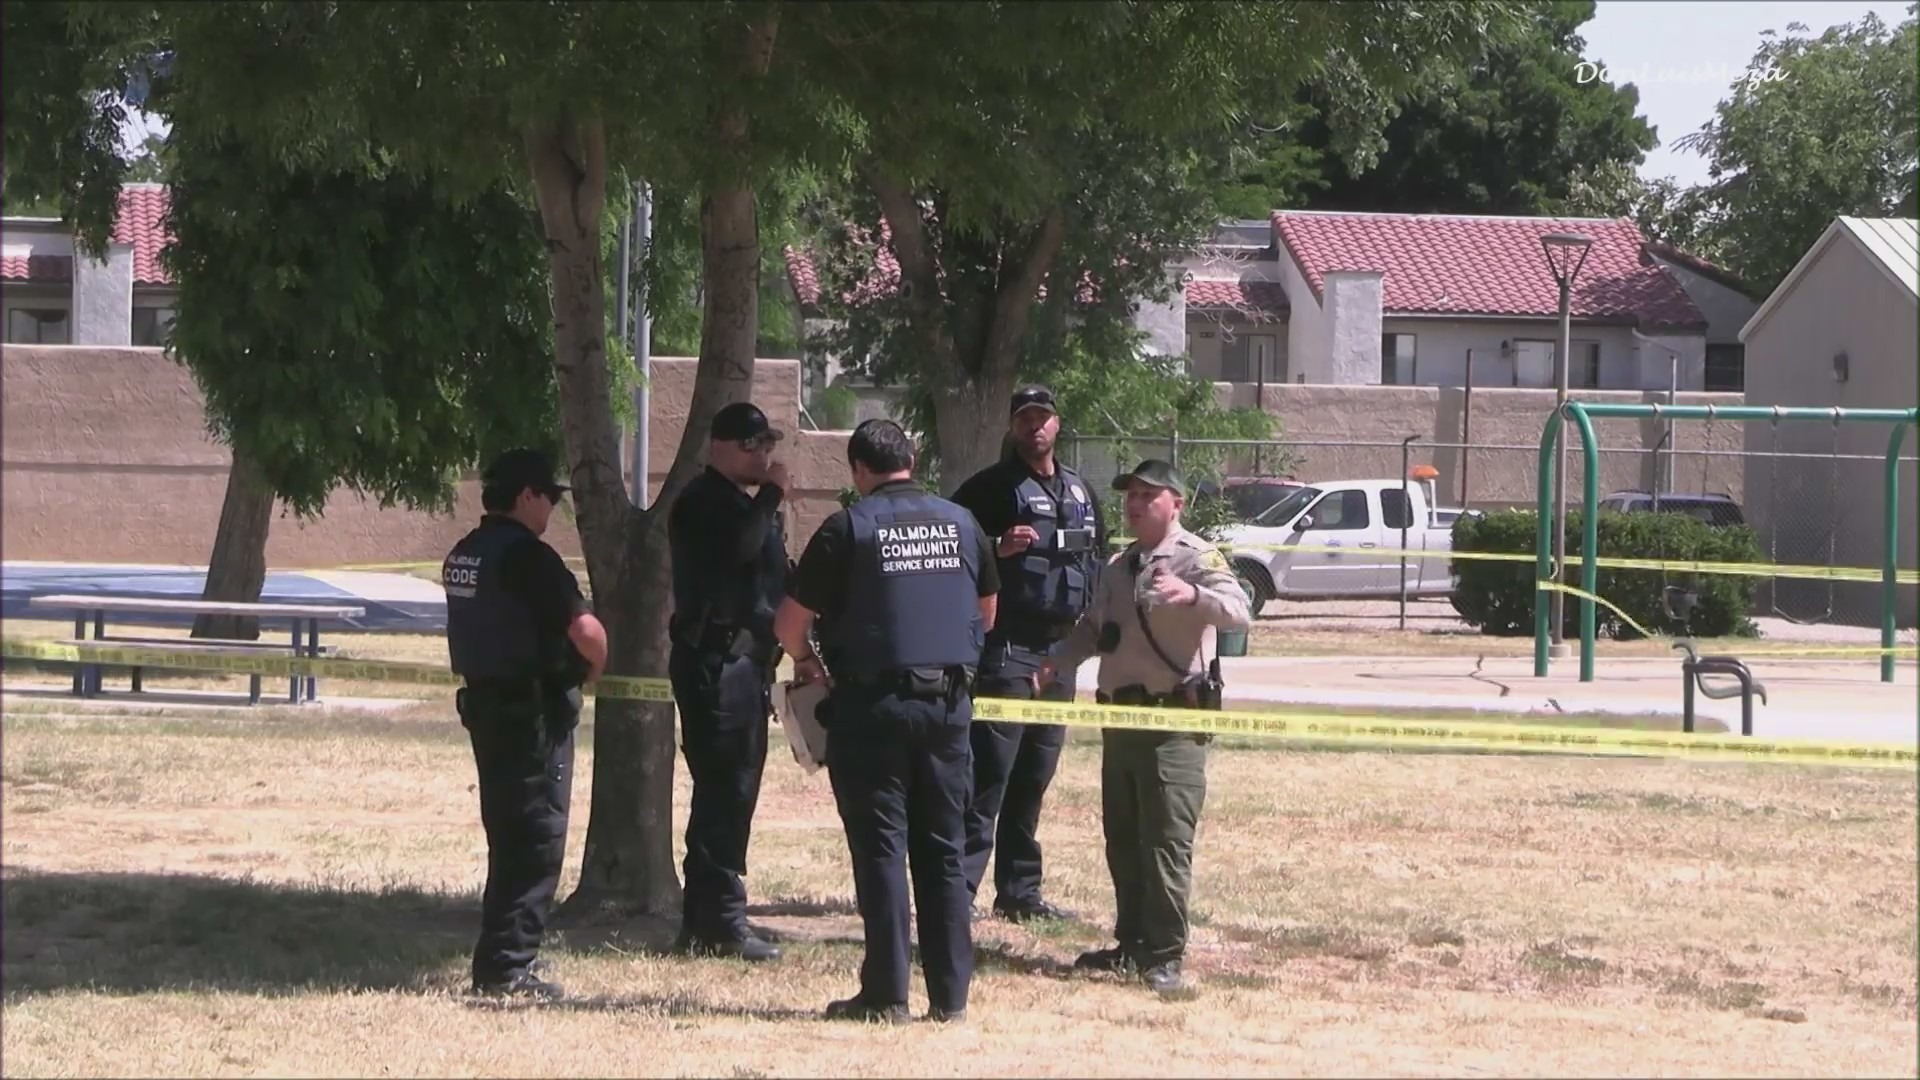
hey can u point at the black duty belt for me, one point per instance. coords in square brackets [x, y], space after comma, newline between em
[918, 682]
[1036, 638]
[509, 689]
[1140, 695]
[726, 640]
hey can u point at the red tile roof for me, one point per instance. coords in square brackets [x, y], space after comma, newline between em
[142, 223]
[1256, 297]
[1434, 264]
[47, 268]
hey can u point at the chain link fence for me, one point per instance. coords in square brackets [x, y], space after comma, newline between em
[1810, 499]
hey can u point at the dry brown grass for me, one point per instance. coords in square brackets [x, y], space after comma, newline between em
[281, 892]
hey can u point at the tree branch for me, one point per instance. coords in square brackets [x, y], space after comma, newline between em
[1020, 290]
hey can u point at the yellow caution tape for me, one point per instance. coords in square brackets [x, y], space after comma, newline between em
[1387, 733]
[1791, 571]
[236, 663]
[1295, 725]
[1817, 650]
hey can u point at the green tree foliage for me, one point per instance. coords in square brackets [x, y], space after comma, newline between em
[476, 95]
[1820, 127]
[1033, 156]
[1503, 132]
[63, 81]
[1665, 211]
[355, 329]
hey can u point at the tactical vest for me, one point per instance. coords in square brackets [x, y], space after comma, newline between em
[490, 631]
[913, 598]
[1049, 584]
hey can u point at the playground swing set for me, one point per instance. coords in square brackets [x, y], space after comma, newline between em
[1680, 601]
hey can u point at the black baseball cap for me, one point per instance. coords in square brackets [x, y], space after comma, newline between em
[739, 422]
[1155, 472]
[1038, 397]
[523, 467]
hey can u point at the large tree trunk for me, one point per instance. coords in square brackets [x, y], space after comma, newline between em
[971, 421]
[971, 385]
[628, 867]
[237, 569]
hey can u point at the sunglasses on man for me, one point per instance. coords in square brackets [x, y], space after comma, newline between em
[753, 444]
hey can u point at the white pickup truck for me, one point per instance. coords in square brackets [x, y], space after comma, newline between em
[1350, 528]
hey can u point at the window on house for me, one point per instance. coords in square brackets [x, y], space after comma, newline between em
[1726, 369]
[1341, 510]
[37, 326]
[151, 325]
[1397, 364]
[1585, 373]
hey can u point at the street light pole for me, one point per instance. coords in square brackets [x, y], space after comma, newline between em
[1566, 254]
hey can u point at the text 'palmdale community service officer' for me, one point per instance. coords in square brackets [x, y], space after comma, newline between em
[902, 583]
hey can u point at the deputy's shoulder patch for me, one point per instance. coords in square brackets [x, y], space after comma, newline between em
[1212, 559]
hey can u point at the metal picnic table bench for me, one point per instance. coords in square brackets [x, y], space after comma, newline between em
[94, 609]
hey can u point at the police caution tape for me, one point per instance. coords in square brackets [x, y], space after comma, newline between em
[1908, 651]
[226, 663]
[1385, 732]
[1791, 571]
[1375, 732]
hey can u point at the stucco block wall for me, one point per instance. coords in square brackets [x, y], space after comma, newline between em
[1843, 303]
[105, 456]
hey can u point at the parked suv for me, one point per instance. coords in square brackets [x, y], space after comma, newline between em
[1716, 510]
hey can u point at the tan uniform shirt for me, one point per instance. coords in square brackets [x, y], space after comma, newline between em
[1179, 628]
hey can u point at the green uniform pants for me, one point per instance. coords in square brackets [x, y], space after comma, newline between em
[1152, 788]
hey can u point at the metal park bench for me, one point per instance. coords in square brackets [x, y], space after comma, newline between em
[1695, 669]
[302, 617]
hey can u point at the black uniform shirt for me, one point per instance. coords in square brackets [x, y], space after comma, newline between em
[718, 536]
[826, 567]
[989, 495]
[536, 576]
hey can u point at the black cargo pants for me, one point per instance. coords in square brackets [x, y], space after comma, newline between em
[901, 766]
[725, 707]
[1013, 765]
[523, 751]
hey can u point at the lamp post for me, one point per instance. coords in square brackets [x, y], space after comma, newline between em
[1566, 254]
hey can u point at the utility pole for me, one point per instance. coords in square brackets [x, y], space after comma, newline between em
[640, 227]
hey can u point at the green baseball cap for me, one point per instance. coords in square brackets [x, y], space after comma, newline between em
[1153, 471]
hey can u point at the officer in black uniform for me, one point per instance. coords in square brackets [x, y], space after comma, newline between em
[729, 576]
[521, 636]
[1050, 544]
[903, 584]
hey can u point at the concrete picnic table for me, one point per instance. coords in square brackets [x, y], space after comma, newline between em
[94, 609]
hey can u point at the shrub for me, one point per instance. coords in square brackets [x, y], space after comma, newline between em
[834, 408]
[1498, 597]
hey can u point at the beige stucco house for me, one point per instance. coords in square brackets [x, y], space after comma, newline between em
[1840, 330]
